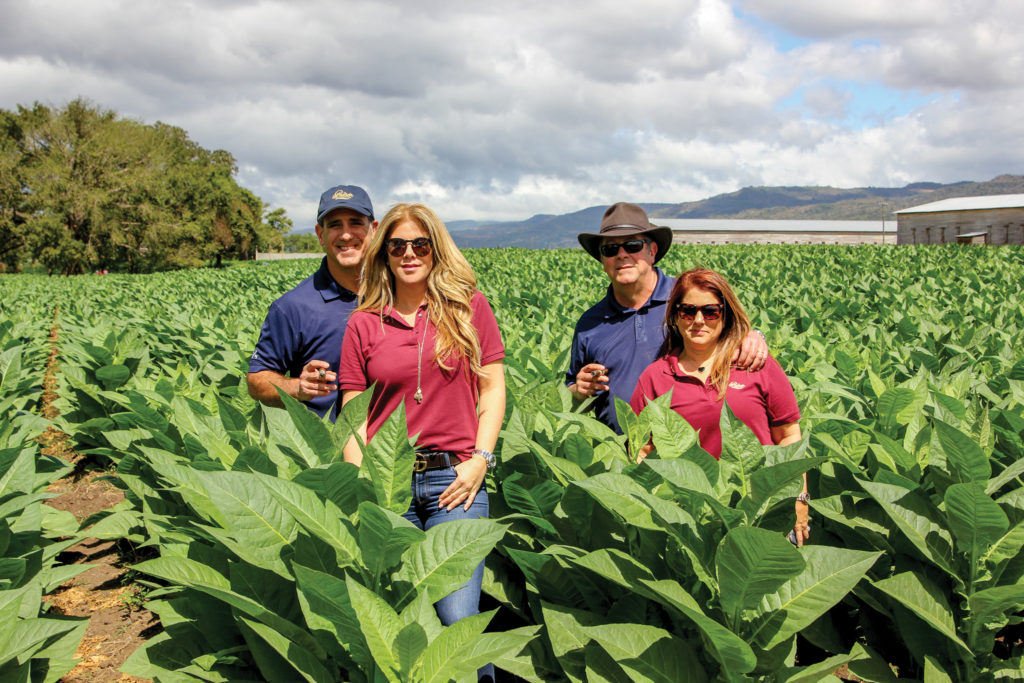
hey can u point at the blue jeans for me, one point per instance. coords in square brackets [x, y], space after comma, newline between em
[427, 487]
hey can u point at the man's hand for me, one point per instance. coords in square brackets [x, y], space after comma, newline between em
[592, 378]
[316, 379]
[753, 352]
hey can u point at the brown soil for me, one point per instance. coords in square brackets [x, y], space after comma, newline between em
[117, 622]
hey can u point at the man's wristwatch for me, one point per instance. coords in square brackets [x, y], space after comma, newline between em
[487, 456]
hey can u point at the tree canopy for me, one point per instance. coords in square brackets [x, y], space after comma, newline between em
[83, 189]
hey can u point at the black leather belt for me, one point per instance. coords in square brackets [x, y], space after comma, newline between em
[434, 460]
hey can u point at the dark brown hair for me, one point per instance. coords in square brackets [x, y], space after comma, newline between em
[735, 323]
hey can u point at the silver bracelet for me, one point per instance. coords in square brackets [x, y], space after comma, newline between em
[487, 456]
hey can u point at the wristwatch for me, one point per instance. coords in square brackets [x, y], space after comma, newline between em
[487, 456]
[804, 498]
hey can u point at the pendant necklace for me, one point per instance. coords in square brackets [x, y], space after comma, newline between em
[418, 396]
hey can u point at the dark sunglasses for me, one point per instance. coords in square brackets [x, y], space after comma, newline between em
[709, 311]
[421, 246]
[631, 247]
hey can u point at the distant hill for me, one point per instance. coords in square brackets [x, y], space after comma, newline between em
[807, 203]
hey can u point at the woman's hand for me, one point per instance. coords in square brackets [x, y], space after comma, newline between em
[802, 528]
[469, 477]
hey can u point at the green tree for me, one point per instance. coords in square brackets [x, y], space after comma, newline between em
[278, 225]
[81, 188]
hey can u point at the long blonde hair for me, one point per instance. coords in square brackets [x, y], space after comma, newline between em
[451, 285]
[735, 323]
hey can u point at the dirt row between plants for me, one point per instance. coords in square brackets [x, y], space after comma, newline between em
[117, 622]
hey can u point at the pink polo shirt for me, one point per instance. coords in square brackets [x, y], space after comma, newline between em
[761, 400]
[446, 420]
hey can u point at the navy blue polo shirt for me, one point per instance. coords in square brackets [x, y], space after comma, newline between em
[624, 340]
[306, 323]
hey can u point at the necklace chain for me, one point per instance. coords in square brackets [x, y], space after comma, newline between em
[418, 396]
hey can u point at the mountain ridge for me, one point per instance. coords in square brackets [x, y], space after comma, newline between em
[767, 202]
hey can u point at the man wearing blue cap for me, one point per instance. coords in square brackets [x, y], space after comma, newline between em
[300, 342]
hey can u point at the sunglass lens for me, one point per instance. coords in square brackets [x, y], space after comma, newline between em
[421, 246]
[709, 312]
[631, 247]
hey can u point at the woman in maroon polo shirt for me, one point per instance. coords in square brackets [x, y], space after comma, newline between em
[705, 325]
[429, 341]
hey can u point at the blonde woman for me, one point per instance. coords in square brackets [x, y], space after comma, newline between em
[428, 339]
[705, 325]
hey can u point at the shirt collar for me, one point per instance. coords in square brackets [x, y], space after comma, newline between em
[662, 290]
[328, 287]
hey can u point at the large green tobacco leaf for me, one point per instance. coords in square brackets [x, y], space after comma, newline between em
[531, 497]
[337, 482]
[917, 519]
[926, 602]
[445, 558]
[742, 453]
[302, 661]
[564, 630]
[897, 406]
[379, 624]
[388, 461]
[828, 576]
[636, 428]
[990, 611]
[964, 457]
[648, 653]
[751, 564]
[731, 651]
[186, 572]
[324, 520]
[383, 537]
[671, 433]
[977, 521]
[326, 606]
[312, 429]
[259, 525]
[444, 658]
[620, 495]
[682, 474]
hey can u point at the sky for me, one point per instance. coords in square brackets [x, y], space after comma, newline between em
[504, 110]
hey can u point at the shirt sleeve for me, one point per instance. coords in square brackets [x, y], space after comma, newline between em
[352, 373]
[277, 343]
[782, 406]
[491, 346]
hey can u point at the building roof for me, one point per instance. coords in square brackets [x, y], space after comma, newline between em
[786, 226]
[993, 201]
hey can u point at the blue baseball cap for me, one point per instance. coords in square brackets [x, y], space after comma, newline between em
[344, 197]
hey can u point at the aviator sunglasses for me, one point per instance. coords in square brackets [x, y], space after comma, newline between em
[631, 247]
[421, 246]
[709, 311]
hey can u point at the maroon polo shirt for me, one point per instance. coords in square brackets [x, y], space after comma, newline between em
[387, 354]
[761, 400]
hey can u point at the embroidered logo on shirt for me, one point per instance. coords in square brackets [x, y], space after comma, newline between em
[736, 385]
[341, 194]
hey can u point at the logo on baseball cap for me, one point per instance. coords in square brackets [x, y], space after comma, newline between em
[344, 197]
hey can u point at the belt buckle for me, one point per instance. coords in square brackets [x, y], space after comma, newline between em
[420, 464]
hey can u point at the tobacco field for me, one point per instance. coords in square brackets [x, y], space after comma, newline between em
[271, 559]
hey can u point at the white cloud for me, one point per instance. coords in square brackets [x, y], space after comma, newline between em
[502, 110]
